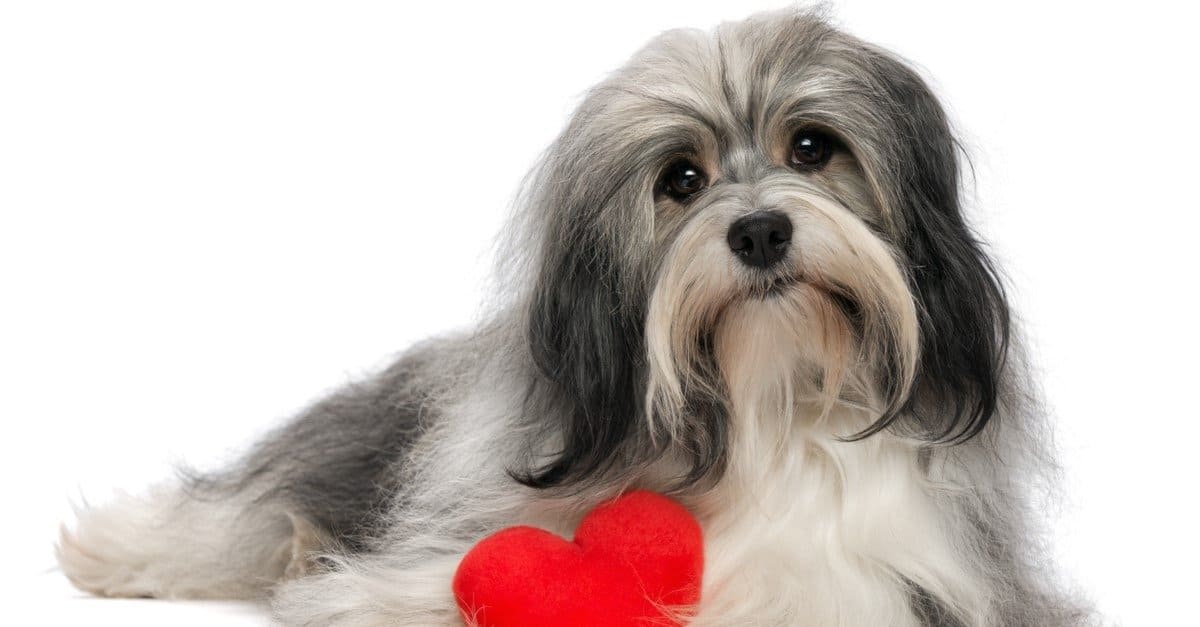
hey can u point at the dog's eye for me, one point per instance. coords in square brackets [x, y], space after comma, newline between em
[811, 150]
[683, 179]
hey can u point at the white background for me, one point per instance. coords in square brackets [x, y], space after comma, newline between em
[211, 212]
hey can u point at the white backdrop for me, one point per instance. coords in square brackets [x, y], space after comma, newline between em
[212, 212]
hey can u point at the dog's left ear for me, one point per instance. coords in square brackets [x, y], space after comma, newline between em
[964, 316]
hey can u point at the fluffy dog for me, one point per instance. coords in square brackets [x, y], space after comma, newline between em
[742, 277]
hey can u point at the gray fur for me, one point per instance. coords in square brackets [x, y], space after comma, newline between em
[541, 412]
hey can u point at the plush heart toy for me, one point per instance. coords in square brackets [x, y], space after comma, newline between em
[635, 562]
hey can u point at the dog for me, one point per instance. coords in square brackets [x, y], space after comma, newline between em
[741, 276]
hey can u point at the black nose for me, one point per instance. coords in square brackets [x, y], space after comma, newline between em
[761, 238]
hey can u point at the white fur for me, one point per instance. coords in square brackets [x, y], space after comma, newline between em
[809, 530]
[803, 528]
[166, 545]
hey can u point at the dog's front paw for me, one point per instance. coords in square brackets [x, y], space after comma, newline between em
[365, 594]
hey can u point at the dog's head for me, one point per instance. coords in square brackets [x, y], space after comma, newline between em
[773, 205]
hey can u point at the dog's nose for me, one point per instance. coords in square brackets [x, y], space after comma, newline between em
[760, 239]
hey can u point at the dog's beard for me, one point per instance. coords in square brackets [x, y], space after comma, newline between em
[833, 324]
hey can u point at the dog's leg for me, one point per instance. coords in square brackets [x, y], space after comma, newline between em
[170, 543]
[371, 592]
[319, 482]
[407, 580]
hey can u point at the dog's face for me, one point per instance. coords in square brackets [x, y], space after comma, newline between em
[771, 207]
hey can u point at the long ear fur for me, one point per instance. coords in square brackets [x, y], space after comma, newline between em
[963, 310]
[586, 309]
[592, 215]
[587, 341]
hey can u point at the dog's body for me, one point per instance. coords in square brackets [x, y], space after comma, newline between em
[743, 279]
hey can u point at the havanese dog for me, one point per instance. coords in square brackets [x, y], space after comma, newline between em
[741, 276]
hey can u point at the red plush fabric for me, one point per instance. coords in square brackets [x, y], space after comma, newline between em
[630, 559]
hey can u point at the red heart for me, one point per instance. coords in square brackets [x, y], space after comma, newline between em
[632, 562]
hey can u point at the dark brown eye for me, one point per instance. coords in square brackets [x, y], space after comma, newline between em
[811, 150]
[683, 179]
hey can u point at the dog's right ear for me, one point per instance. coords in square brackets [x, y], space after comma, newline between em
[589, 215]
[584, 310]
[585, 336]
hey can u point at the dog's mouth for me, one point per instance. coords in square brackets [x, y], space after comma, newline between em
[774, 287]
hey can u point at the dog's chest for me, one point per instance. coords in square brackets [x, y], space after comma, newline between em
[808, 530]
